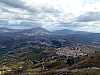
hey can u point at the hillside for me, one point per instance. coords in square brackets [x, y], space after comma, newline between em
[41, 52]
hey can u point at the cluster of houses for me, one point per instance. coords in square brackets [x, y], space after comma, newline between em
[74, 51]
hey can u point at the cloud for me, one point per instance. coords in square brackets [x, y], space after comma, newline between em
[50, 14]
[89, 16]
[89, 26]
[18, 24]
[14, 3]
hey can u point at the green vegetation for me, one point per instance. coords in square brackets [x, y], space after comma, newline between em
[44, 61]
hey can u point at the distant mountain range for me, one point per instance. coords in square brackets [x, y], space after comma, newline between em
[40, 30]
[6, 30]
[40, 34]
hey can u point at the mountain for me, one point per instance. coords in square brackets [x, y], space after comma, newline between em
[34, 31]
[20, 38]
[40, 31]
[63, 32]
[6, 30]
[87, 38]
[36, 50]
[23, 32]
[68, 32]
[39, 35]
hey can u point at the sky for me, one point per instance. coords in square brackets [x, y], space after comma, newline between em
[80, 15]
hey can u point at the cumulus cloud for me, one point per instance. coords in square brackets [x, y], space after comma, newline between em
[15, 4]
[51, 14]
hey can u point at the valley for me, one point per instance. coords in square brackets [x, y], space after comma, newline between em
[40, 52]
